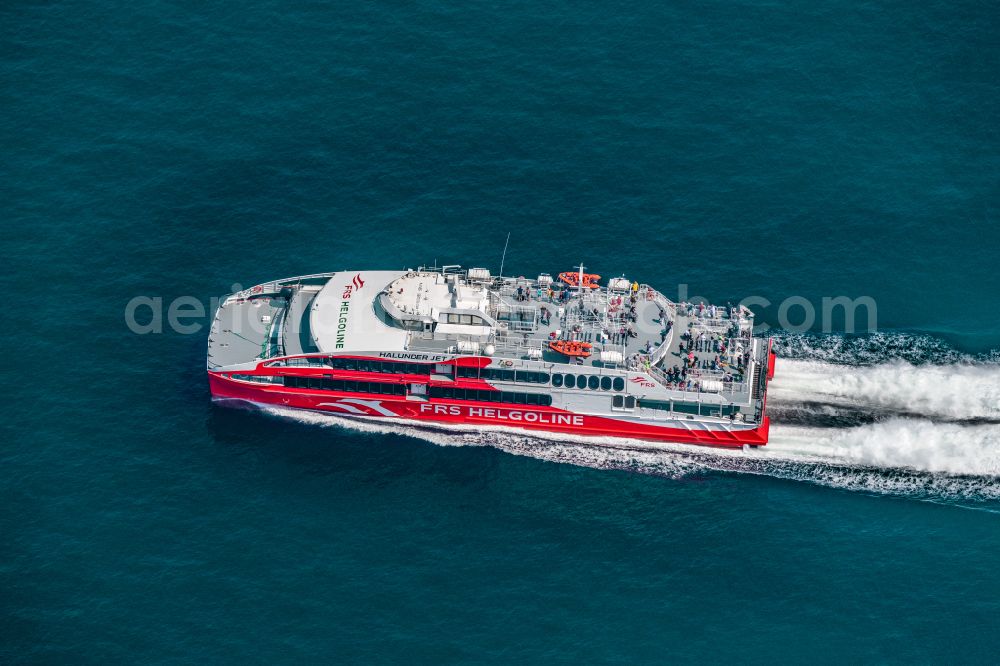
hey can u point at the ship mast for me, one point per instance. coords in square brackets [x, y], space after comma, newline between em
[504, 257]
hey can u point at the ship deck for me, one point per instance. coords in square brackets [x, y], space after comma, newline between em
[648, 337]
[642, 329]
[245, 330]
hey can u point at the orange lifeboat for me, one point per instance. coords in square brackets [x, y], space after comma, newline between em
[571, 347]
[590, 280]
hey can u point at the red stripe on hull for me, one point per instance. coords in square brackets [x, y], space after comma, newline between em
[479, 413]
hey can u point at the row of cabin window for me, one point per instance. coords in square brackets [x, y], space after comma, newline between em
[505, 375]
[260, 379]
[593, 382]
[510, 397]
[702, 409]
[356, 365]
[324, 384]
[385, 367]
[301, 362]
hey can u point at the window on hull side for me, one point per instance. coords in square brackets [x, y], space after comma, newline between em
[260, 379]
[327, 384]
[384, 367]
[521, 376]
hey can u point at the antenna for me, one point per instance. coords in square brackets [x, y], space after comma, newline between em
[504, 257]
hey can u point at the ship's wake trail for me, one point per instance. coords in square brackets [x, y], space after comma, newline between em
[957, 392]
[897, 428]
[915, 458]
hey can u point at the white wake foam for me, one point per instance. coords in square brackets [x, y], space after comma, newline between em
[913, 444]
[961, 391]
[899, 457]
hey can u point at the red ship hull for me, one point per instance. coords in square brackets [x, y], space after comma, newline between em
[547, 419]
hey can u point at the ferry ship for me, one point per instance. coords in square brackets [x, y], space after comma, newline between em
[565, 354]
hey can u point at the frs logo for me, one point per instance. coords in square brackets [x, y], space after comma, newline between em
[641, 381]
[356, 283]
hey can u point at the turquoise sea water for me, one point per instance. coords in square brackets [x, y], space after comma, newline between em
[742, 149]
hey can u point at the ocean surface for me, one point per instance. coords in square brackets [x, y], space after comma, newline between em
[170, 149]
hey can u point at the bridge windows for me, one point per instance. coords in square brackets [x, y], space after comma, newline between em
[464, 319]
[605, 383]
[619, 384]
[557, 380]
